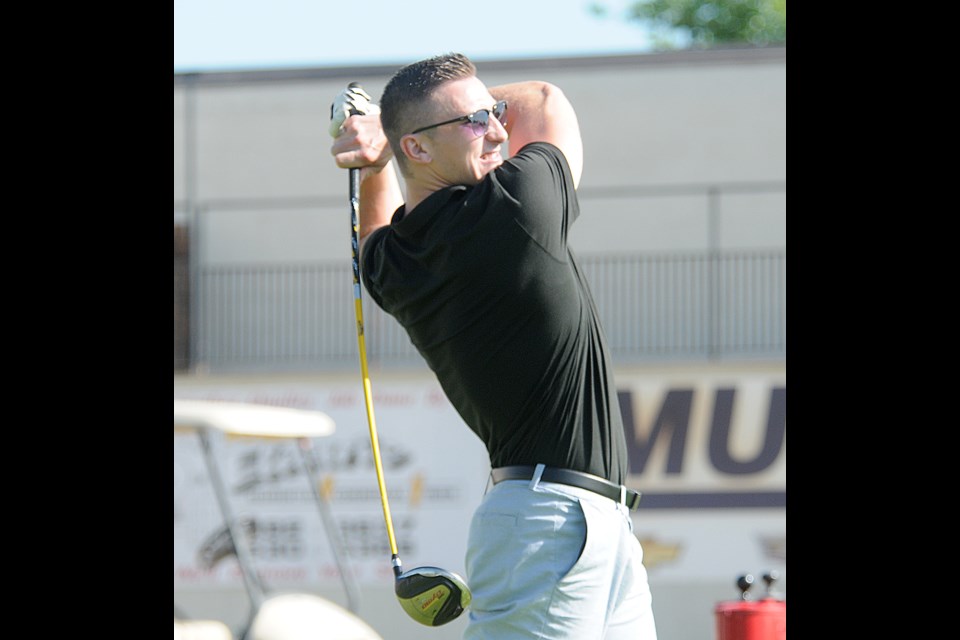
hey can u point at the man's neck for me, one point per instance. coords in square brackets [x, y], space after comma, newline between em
[416, 193]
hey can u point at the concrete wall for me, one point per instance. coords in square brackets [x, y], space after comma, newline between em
[683, 151]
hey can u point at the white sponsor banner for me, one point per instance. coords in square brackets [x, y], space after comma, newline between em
[706, 430]
[710, 431]
[719, 434]
[435, 472]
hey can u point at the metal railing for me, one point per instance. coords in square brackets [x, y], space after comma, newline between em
[692, 305]
[689, 306]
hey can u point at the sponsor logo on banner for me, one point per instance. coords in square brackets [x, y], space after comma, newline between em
[706, 450]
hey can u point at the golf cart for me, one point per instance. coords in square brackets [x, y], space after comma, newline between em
[278, 616]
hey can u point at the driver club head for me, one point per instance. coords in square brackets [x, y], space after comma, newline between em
[432, 596]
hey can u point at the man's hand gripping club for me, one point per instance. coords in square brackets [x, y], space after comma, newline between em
[360, 145]
[358, 142]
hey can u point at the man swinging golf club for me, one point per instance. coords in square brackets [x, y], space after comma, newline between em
[475, 266]
[430, 595]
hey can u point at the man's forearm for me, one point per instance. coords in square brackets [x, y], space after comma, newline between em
[540, 112]
[380, 197]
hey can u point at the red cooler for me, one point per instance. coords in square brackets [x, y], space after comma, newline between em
[745, 619]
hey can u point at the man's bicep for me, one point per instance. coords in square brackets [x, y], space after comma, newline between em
[554, 121]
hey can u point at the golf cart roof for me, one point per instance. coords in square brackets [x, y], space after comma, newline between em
[250, 420]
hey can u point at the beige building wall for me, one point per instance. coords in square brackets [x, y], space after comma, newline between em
[683, 151]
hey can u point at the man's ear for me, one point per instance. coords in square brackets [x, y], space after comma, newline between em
[414, 150]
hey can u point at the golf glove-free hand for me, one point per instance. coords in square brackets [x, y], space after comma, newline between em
[351, 101]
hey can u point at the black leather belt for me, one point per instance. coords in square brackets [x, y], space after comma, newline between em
[587, 481]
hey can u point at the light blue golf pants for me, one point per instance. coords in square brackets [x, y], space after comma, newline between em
[555, 562]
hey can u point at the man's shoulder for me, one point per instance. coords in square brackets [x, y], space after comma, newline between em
[539, 148]
[537, 158]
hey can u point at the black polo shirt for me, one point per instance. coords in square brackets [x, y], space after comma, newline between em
[490, 294]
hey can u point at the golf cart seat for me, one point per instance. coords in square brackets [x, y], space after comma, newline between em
[302, 616]
[200, 630]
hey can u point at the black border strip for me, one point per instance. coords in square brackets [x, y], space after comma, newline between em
[714, 500]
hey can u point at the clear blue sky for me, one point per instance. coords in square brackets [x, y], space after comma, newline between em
[218, 35]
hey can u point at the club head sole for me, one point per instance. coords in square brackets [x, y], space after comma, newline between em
[432, 596]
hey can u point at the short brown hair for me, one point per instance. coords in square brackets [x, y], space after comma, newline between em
[402, 103]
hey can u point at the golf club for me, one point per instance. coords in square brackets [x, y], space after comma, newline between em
[429, 595]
